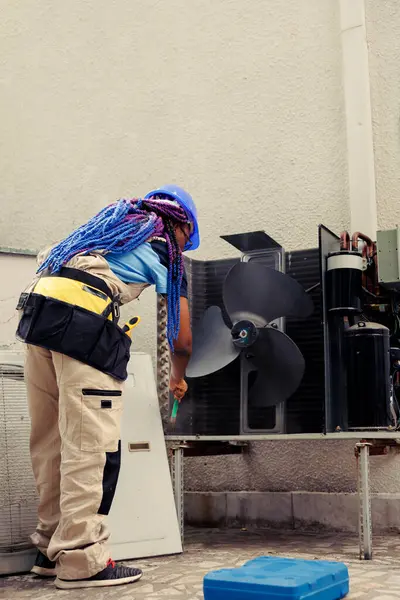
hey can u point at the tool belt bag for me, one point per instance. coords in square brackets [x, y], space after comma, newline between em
[74, 331]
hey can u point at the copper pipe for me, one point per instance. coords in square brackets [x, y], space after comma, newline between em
[368, 251]
[361, 236]
[345, 240]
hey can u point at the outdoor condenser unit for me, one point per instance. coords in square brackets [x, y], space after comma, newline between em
[295, 342]
[281, 387]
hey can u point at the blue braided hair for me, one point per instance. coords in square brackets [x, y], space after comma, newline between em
[122, 227]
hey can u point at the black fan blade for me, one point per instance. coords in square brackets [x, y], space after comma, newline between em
[280, 367]
[260, 294]
[213, 348]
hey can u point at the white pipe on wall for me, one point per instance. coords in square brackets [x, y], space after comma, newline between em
[360, 148]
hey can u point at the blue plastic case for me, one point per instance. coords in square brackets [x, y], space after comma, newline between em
[273, 578]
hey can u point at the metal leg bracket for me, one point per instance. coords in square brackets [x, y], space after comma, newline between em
[364, 498]
[178, 484]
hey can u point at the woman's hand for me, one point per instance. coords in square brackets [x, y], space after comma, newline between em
[178, 388]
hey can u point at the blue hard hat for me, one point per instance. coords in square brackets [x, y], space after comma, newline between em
[185, 200]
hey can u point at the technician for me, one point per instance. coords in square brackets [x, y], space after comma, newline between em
[76, 364]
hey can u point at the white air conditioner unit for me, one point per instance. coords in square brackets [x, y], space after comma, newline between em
[143, 519]
[18, 500]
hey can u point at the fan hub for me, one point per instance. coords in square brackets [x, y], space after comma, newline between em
[244, 334]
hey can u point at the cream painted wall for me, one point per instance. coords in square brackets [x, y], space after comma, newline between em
[16, 272]
[106, 99]
[239, 102]
[383, 27]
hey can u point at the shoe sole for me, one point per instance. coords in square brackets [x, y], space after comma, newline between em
[42, 572]
[64, 584]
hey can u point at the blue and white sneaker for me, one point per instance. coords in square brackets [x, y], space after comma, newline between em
[112, 575]
[43, 566]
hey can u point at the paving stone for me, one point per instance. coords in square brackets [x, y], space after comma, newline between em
[181, 576]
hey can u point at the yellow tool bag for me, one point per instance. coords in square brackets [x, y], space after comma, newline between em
[84, 328]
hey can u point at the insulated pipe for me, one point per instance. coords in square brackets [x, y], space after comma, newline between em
[356, 86]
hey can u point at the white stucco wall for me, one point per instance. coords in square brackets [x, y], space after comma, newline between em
[240, 103]
[383, 28]
[15, 273]
[106, 99]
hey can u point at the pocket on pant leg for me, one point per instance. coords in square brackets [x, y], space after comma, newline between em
[101, 420]
[110, 480]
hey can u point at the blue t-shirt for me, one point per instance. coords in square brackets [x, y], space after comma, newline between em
[146, 264]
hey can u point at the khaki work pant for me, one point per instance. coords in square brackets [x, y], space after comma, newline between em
[75, 415]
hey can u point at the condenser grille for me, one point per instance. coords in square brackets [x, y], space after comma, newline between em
[18, 501]
[305, 409]
[212, 404]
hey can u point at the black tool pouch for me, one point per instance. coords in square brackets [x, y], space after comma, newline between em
[75, 332]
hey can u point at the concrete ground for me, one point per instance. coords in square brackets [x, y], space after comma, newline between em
[181, 577]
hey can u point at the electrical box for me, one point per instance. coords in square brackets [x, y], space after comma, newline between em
[388, 247]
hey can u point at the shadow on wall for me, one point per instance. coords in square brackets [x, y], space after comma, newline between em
[285, 466]
[16, 272]
[309, 511]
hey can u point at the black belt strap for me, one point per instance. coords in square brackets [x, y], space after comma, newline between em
[83, 277]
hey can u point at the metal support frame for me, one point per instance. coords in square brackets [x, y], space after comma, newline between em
[177, 474]
[390, 436]
[362, 452]
[364, 498]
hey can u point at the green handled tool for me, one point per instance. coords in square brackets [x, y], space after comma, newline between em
[174, 411]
